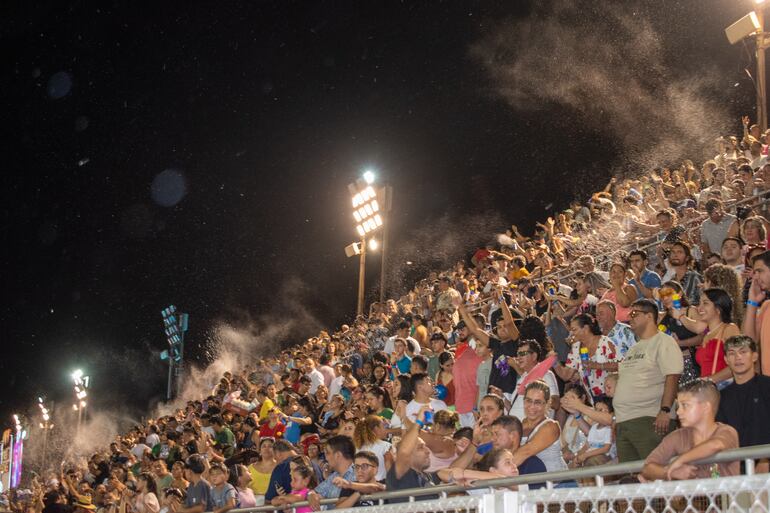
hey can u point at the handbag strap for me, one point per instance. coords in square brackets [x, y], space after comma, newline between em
[716, 357]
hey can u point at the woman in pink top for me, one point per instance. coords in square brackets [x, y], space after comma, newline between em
[622, 294]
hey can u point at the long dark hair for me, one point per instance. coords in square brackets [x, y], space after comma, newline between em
[406, 388]
[380, 393]
[149, 483]
[723, 303]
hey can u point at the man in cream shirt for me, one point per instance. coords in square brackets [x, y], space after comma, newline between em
[647, 385]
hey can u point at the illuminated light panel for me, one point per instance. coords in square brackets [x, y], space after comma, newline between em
[378, 220]
[360, 230]
[368, 210]
[370, 192]
[357, 200]
[375, 206]
[356, 216]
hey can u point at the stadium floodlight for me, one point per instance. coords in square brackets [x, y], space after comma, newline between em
[373, 244]
[174, 325]
[370, 205]
[77, 375]
[752, 25]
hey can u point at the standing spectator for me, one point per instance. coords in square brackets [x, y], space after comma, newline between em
[370, 436]
[482, 373]
[325, 369]
[502, 379]
[680, 259]
[527, 357]
[757, 321]
[445, 377]
[423, 390]
[465, 376]
[647, 384]
[717, 227]
[419, 332]
[316, 378]
[280, 478]
[412, 458]
[644, 280]
[146, 499]
[622, 293]
[715, 313]
[621, 334]
[399, 360]
[402, 332]
[438, 343]
[699, 437]
[745, 404]
[686, 339]
[732, 255]
[592, 356]
[262, 469]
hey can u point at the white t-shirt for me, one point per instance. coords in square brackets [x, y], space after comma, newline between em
[138, 450]
[152, 440]
[414, 407]
[379, 448]
[517, 408]
[316, 380]
[599, 436]
[390, 345]
[336, 385]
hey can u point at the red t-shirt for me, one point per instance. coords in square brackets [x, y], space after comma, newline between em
[274, 432]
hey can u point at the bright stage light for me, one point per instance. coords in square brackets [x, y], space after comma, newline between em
[369, 176]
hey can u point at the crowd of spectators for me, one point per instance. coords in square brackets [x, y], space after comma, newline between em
[529, 357]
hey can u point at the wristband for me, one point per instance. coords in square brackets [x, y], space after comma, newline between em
[752, 303]
[419, 422]
[578, 416]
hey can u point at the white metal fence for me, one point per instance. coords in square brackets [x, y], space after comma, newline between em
[739, 494]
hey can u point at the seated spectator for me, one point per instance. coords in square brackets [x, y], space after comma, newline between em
[528, 356]
[365, 464]
[645, 280]
[598, 448]
[699, 437]
[745, 404]
[679, 261]
[540, 435]
[687, 340]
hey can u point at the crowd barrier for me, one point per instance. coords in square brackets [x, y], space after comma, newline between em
[747, 493]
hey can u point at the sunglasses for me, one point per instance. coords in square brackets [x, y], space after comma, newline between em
[524, 353]
[635, 313]
[362, 466]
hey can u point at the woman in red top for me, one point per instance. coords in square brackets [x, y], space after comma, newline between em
[273, 428]
[715, 312]
[445, 376]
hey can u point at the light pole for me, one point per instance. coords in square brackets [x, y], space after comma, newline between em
[753, 24]
[46, 426]
[81, 384]
[368, 214]
[174, 326]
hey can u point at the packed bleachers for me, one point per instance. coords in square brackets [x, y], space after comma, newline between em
[630, 326]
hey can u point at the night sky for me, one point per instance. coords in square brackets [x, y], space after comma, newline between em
[196, 154]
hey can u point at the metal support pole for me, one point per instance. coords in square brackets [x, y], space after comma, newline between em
[170, 373]
[388, 198]
[361, 273]
[761, 82]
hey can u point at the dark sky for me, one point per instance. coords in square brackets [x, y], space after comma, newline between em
[266, 110]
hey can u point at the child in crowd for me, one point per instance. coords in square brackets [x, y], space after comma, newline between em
[699, 437]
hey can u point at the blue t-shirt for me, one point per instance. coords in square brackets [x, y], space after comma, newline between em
[532, 465]
[650, 279]
[292, 432]
[281, 476]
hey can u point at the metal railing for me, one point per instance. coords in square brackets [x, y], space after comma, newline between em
[650, 242]
[596, 473]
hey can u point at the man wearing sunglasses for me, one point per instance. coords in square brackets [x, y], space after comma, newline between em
[647, 385]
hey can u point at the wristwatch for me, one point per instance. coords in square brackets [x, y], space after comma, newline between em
[665, 409]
